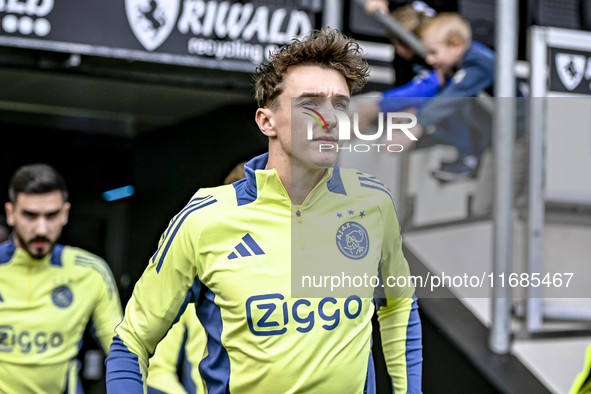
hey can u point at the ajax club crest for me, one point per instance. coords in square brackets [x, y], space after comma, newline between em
[62, 296]
[571, 69]
[152, 21]
[352, 240]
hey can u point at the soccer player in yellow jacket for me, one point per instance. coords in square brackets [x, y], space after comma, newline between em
[48, 292]
[174, 367]
[582, 384]
[232, 251]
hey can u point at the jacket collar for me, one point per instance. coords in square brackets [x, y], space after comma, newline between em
[8, 250]
[258, 179]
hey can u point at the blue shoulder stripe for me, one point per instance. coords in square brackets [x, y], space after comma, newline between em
[372, 179]
[414, 346]
[187, 212]
[194, 202]
[377, 188]
[101, 268]
[123, 370]
[384, 189]
[375, 184]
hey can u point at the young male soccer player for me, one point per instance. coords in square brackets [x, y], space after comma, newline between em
[48, 292]
[230, 251]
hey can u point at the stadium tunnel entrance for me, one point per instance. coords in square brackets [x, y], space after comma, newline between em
[166, 131]
[109, 124]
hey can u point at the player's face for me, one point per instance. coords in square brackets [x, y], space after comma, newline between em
[307, 90]
[37, 220]
[441, 55]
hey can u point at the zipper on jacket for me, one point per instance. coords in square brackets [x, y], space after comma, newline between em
[29, 283]
[299, 213]
[300, 229]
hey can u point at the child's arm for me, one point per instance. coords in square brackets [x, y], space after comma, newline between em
[412, 95]
[467, 82]
[415, 93]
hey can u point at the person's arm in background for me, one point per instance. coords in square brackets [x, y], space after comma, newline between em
[180, 351]
[400, 329]
[107, 312]
[164, 364]
[159, 299]
[471, 79]
[400, 325]
[414, 94]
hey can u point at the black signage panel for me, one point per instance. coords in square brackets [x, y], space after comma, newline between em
[230, 35]
[570, 71]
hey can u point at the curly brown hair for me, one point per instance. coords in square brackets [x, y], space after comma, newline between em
[323, 48]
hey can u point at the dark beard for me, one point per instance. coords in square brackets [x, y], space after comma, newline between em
[25, 245]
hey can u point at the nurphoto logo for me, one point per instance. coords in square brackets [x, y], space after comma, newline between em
[344, 125]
